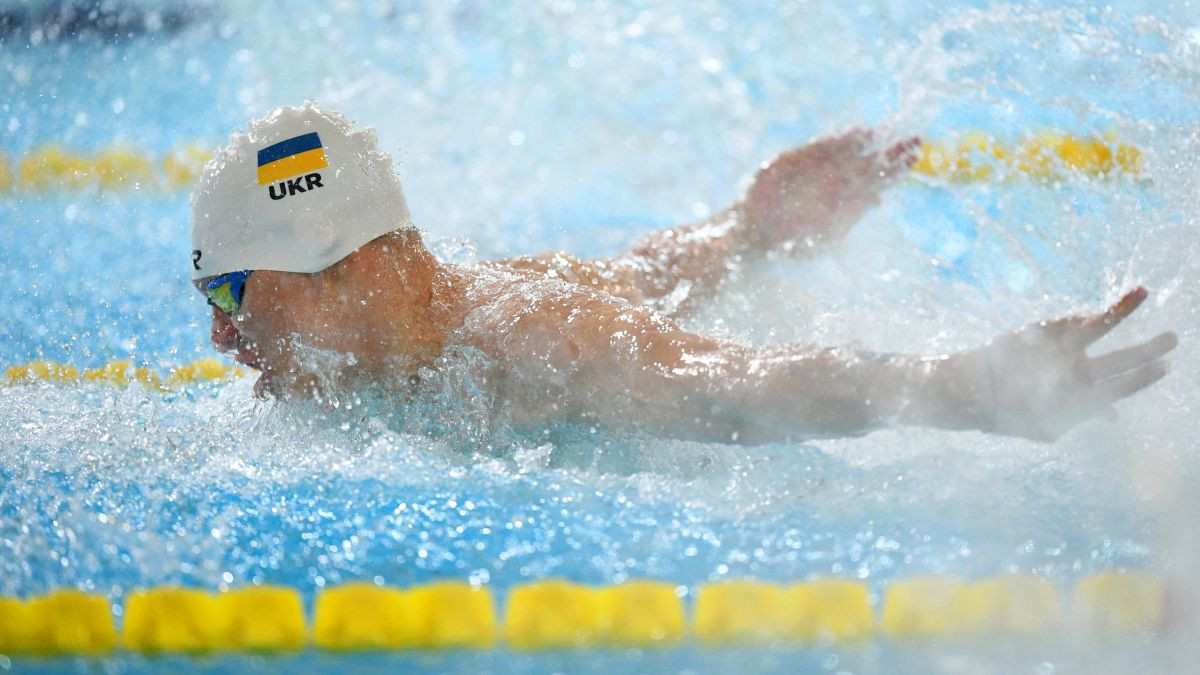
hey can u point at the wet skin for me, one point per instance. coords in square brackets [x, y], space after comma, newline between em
[595, 339]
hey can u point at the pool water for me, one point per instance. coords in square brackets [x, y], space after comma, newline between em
[579, 127]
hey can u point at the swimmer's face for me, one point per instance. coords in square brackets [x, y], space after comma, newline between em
[336, 325]
[282, 314]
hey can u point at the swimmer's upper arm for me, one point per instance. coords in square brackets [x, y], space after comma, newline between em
[635, 367]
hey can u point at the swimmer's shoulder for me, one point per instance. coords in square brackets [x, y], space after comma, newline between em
[548, 265]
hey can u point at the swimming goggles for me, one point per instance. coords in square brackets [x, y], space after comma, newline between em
[225, 292]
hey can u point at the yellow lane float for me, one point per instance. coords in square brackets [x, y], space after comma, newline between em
[730, 612]
[939, 607]
[551, 615]
[362, 616]
[451, 614]
[921, 607]
[62, 622]
[639, 613]
[1120, 603]
[262, 619]
[814, 612]
[829, 610]
[558, 614]
[1012, 604]
[174, 620]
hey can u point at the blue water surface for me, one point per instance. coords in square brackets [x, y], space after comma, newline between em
[580, 126]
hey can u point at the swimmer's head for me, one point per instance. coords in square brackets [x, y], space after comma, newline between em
[297, 192]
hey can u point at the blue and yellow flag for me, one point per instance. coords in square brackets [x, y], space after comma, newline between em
[288, 158]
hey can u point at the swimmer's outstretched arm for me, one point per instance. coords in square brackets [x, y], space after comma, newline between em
[634, 367]
[802, 201]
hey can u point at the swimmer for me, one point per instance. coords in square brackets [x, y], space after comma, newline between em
[303, 244]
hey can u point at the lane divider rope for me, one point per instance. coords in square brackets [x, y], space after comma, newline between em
[1048, 156]
[558, 614]
[968, 157]
[122, 373]
[52, 168]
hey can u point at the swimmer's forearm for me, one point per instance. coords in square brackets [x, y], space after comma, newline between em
[694, 258]
[696, 248]
[950, 392]
[716, 239]
[829, 393]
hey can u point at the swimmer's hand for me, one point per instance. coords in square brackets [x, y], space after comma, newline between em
[809, 196]
[1042, 381]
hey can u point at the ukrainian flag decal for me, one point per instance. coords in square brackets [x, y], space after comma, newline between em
[288, 158]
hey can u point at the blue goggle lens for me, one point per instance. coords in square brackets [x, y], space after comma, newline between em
[225, 292]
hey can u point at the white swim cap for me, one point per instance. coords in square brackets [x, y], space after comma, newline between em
[299, 191]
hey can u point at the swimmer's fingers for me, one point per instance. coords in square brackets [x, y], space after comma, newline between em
[1095, 327]
[1107, 392]
[901, 156]
[1077, 332]
[1122, 360]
